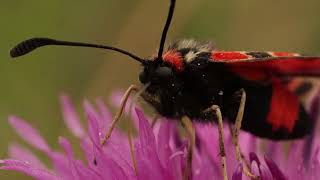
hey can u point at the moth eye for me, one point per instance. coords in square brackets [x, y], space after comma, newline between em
[163, 72]
[143, 77]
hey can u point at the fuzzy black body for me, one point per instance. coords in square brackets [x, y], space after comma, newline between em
[197, 84]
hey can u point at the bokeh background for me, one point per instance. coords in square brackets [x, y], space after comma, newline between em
[31, 85]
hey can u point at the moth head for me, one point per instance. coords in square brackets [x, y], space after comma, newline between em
[155, 74]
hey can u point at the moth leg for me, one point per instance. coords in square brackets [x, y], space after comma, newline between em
[235, 136]
[216, 110]
[133, 157]
[231, 129]
[237, 126]
[124, 99]
[187, 124]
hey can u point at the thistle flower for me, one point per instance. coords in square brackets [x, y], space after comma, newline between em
[159, 151]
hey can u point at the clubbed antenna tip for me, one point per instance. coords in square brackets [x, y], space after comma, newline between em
[29, 45]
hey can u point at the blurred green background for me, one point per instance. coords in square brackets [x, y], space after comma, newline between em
[31, 85]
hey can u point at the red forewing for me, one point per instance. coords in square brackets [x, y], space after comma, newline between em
[260, 65]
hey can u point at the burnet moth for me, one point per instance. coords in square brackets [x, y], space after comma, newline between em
[192, 80]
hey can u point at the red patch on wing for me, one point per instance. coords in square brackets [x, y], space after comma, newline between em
[284, 107]
[228, 55]
[175, 59]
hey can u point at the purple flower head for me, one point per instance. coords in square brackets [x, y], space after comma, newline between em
[159, 151]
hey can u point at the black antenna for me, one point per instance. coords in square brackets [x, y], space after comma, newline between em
[31, 44]
[166, 28]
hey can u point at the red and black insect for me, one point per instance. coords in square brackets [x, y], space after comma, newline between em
[189, 77]
[193, 74]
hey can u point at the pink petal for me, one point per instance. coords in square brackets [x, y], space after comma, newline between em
[100, 125]
[79, 171]
[115, 170]
[265, 173]
[176, 163]
[27, 169]
[87, 173]
[65, 144]
[71, 118]
[106, 115]
[135, 118]
[295, 158]
[164, 135]
[28, 133]
[254, 157]
[60, 164]
[314, 166]
[116, 98]
[116, 145]
[93, 128]
[208, 136]
[121, 156]
[149, 165]
[67, 148]
[274, 169]
[276, 151]
[202, 167]
[87, 147]
[89, 109]
[255, 168]
[95, 137]
[105, 120]
[146, 135]
[232, 162]
[248, 143]
[237, 175]
[300, 173]
[108, 168]
[259, 169]
[20, 153]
